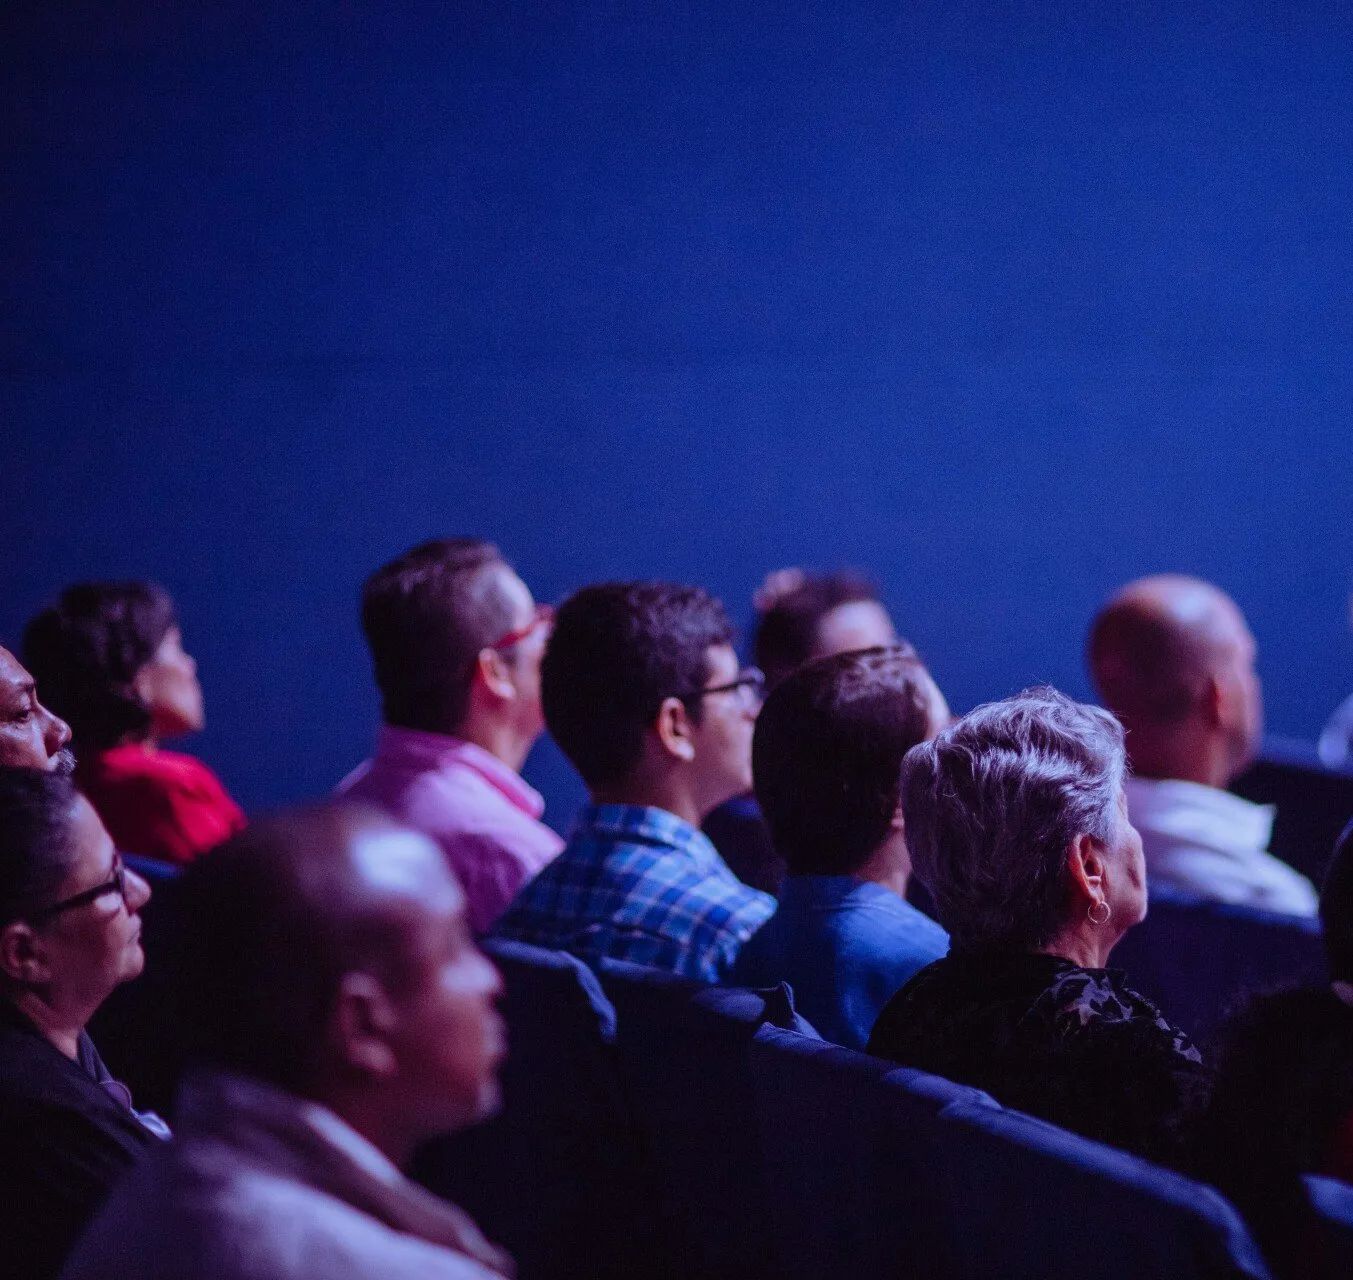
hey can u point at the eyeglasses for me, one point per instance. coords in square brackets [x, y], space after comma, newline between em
[116, 883]
[543, 616]
[750, 687]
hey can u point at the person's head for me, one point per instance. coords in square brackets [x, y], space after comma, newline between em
[329, 955]
[640, 682]
[800, 617]
[455, 636]
[1173, 659]
[827, 756]
[31, 736]
[69, 928]
[109, 658]
[1017, 825]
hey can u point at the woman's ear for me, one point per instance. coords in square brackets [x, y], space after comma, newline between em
[1085, 862]
[21, 955]
[675, 730]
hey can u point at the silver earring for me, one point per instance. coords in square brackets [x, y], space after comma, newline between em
[1099, 919]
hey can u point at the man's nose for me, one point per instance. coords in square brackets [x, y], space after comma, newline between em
[56, 732]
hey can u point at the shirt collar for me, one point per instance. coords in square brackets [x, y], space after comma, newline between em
[443, 750]
[1174, 807]
[646, 824]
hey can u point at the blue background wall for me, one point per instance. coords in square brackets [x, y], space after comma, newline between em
[1006, 308]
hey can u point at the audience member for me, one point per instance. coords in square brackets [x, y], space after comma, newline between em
[335, 1013]
[1017, 825]
[826, 760]
[799, 617]
[31, 737]
[642, 692]
[456, 642]
[69, 934]
[109, 658]
[1283, 1102]
[1173, 659]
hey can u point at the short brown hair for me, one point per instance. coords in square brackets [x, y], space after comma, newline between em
[827, 755]
[427, 615]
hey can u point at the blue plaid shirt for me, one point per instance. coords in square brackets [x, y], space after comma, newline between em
[639, 884]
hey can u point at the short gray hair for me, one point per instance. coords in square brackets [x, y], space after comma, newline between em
[992, 805]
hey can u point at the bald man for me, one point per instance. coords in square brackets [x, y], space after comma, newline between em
[337, 1013]
[1173, 659]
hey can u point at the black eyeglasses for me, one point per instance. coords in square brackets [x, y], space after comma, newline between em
[750, 686]
[116, 883]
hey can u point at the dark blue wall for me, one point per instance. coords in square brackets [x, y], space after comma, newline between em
[1006, 308]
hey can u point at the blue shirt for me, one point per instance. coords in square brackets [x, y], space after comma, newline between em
[845, 946]
[639, 884]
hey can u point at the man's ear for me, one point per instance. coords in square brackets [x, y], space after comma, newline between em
[491, 671]
[363, 1021]
[1085, 863]
[21, 955]
[675, 730]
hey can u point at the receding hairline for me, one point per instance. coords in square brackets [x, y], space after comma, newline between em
[1158, 629]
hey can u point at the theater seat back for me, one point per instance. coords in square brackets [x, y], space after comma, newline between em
[1197, 960]
[685, 1059]
[559, 1177]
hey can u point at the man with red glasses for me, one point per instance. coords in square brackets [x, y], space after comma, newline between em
[456, 642]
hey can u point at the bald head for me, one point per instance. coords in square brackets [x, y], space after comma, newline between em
[276, 917]
[1173, 659]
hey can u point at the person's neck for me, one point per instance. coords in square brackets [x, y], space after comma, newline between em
[889, 865]
[1182, 758]
[1087, 947]
[653, 792]
[57, 1027]
[364, 1116]
[501, 740]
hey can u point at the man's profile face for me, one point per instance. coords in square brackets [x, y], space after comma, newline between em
[451, 1039]
[31, 737]
[723, 738]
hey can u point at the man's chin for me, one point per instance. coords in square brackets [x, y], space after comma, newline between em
[63, 763]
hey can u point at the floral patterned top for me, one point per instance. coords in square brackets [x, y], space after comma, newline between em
[1071, 1045]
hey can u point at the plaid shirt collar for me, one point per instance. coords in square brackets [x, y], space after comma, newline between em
[645, 824]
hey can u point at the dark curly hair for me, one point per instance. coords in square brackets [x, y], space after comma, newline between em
[618, 649]
[85, 650]
[785, 634]
[827, 755]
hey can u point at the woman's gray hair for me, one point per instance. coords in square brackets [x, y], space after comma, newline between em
[993, 804]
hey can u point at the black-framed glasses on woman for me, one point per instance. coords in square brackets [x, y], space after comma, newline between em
[750, 686]
[116, 883]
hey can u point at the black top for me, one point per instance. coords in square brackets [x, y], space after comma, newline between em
[65, 1138]
[1074, 1046]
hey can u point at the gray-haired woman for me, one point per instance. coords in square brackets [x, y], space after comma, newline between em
[1017, 826]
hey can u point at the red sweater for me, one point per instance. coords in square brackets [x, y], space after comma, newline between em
[158, 803]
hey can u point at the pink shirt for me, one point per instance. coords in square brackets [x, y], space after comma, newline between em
[483, 814]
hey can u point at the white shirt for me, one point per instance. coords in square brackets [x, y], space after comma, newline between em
[1208, 842]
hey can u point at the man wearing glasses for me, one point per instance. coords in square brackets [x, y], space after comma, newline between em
[70, 933]
[456, 642]
[642, 692]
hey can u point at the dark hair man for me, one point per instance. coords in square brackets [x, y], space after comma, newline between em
[799, 617]
[456, 641]
[642, 692]
[827, 760]
[334, 1013]
[1173, 659]
[31, 737]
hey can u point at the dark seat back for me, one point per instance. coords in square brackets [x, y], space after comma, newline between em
[1329, 1248]
[1039, 1203]
[685, 1060]
[559, 1177]
[1314, 802]
[1198, 959]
